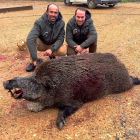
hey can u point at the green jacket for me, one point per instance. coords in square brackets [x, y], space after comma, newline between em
[47, 32]
[83, 35]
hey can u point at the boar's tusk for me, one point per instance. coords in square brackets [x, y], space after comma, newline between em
[12, 94]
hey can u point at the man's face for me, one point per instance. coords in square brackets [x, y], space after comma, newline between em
[52, 13]
[80, 17]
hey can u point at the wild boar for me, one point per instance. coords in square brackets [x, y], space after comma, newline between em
[69, 82]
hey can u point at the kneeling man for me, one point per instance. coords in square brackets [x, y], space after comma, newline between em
[81, 33]
[47, 35]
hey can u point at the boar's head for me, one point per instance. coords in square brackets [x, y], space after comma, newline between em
[25, 87]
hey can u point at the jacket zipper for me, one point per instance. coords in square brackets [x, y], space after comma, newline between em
[80, 33]
[51, 36]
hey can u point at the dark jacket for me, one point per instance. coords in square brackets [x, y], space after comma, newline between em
[47, 32]
[83, 35]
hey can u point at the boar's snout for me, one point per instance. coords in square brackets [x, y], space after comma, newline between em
[10, 83]
[7, 85]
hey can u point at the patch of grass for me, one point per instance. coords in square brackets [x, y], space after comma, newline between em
[95, 108]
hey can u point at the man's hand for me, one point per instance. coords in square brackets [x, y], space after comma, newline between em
[34, 63]
[48, 52]
[84, 51]
[78, 48]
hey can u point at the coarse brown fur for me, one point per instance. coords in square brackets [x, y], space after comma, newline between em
[69, 82]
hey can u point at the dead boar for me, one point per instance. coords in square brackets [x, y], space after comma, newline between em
[69, 82]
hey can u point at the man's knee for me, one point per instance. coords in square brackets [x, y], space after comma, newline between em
[62, 51]
[70, 51]
[93, 47]
[40, 46]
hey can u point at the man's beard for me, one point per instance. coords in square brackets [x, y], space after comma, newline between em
[53, 20]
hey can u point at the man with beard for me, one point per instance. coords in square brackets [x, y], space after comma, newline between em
[47, 35]
[81, 33]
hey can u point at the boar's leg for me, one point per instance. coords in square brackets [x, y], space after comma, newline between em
[64, 112]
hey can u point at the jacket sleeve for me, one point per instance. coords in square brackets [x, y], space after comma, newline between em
[92, 36]
[69, 36]
[60, 38]
[32, 36]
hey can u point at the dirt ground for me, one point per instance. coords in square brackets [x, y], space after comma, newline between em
[114, 117]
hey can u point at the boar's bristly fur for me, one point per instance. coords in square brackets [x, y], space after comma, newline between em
[70, 81]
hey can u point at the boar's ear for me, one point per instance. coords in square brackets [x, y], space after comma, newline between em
[39, 61]
[47, 82]
[48, 85]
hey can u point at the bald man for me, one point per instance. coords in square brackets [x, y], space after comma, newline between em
[47, 35]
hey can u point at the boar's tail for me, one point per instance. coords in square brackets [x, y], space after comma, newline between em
[136, 81]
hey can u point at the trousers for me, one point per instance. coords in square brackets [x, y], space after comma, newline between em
[40, 46]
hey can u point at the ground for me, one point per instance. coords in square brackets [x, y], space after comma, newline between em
[114, 117]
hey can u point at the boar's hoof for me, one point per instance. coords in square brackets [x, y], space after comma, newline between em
[34, 106]
[60, 121]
